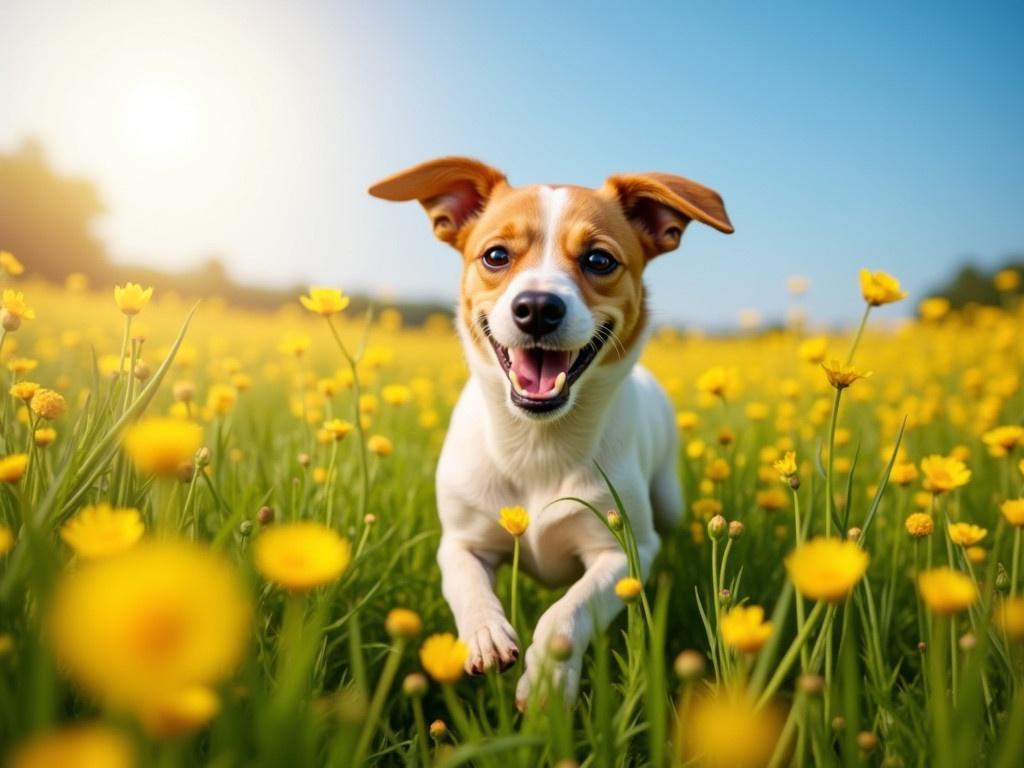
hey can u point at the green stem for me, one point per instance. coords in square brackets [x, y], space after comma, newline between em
[387, 677]
[829, 494]
[357, 421]
[939, 700]
[801, 619]
[791, 654]
[455, 710]
[860, 332]
[421, 731]
[1015, 564]
[515, 579]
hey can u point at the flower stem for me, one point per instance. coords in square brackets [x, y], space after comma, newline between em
[1015, 564]
[787, 661]
[515, 579]
[357, 421]
[860, 332]
[829, 494]
[387, 676]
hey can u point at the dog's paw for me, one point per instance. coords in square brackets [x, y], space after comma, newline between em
[545, 675]
[492, 641]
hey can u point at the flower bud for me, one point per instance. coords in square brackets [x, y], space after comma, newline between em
[369, 519]
[725, 597]
[717, 527]
[794, 482]
[414, 686]
[690, 665]
[304, 460]
[614, 520]
[403, 623]
[560, 647]
[265, 515]
[1002, 579]
[245, 527]
[142, 371]
[184, 391]
[11, 322]
[853, 534]
[186, 471]
[967, 641]
[438, 730]
[810, 684]
[867, 741]
[838, 723]
[736, 529]
[203, 457]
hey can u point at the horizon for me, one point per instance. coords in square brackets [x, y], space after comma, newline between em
[884, 138]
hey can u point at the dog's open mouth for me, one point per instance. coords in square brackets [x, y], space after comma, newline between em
[540, 377]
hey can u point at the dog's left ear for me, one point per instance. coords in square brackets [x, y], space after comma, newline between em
[660, 205]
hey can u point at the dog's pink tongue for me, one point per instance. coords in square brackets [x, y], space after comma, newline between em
[537, 369]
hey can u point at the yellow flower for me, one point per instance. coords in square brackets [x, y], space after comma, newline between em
[6, 540]
[786, 466]
[903, 473]
[771, 499]
[946, 591]
[718, 381]
[841, 376]
[403, 623]
[89, 745]
[1004, 280]
[220, 398]
[181, 713]
[300, 556]
[919, 524]
[10, 265]
[396, 394]
[813, 350]
[101, 531]
[880, 288]
[24, 390]
[695, 449]
[745, 629]
[706, 508]
[19, 365]
[943, 473]
[965, 534]
[379, 445]
[131, 298]
[1009, 617]
[48, 404]
[13, 467]
[727, 731]
[686, 419]
[718, 470]
[934, 308]
[826, 569]
[514, 520]
[15, 310]
[444, 656]
[1013, 511]
[161, 445]
[294, 344]
[324, 301]
[1004, 439]
[138, 628]
[976, 555]
[44, 436]
[338, 428]
[628, 589]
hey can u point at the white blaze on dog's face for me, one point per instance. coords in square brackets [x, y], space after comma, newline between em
[552, 282]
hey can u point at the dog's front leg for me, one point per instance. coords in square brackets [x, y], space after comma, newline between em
[467, 581]
[588, 606]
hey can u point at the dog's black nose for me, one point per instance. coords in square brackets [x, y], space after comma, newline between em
[537, 312]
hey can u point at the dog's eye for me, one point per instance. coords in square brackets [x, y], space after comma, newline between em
[598, 262]
[495, 258]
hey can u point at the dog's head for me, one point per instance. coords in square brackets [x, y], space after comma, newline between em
[552, 281]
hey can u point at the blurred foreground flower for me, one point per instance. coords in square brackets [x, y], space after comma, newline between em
[90, 745]
[826, 569]
[444, 656]
[101, 530]
[161, 445]
[946, 591]
[13, 467]
[6, 540]
[136, 629]
[1009, 617]
[181, 713]
[1013, 511]
[725, 731]
[300, 556]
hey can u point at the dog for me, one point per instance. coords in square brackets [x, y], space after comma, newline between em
[552, 316]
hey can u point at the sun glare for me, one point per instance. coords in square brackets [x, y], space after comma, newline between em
[160, 119]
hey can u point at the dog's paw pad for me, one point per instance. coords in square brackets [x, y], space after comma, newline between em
[492, 643]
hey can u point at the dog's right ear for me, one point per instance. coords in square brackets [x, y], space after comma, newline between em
[453, 190]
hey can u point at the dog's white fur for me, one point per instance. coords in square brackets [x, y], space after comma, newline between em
[493, 457]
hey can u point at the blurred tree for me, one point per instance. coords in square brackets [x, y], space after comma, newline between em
[46, 219]
[971, 285]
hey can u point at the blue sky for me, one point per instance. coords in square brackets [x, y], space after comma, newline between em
[840, 135]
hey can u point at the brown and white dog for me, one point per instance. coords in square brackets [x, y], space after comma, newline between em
[552, 317]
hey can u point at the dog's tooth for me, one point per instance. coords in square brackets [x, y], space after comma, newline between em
[557, 387]
[515, 382]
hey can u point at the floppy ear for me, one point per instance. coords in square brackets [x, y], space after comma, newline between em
[453, 190]
[660, 205]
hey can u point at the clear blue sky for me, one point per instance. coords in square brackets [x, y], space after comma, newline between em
[888, 135]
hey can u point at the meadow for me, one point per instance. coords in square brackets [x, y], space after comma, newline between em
[218, 532]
